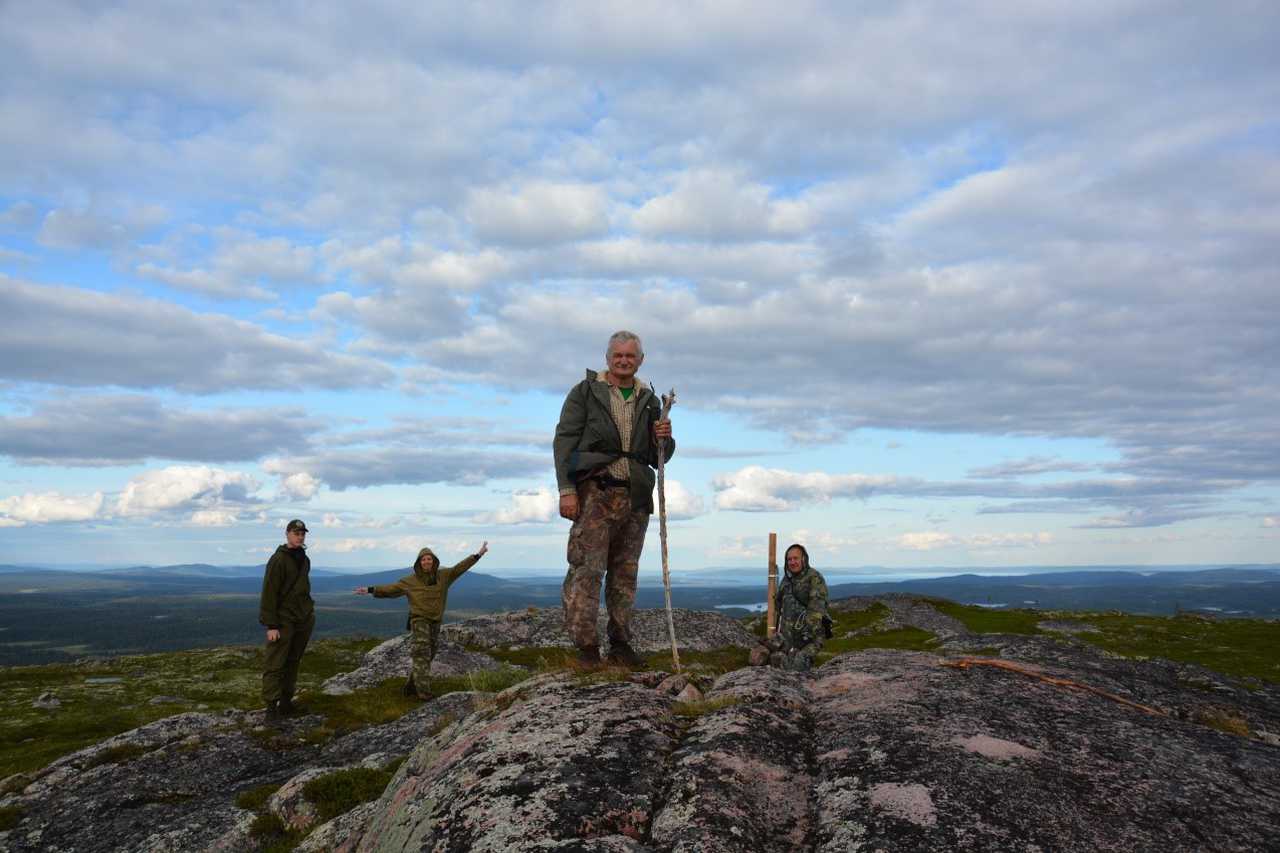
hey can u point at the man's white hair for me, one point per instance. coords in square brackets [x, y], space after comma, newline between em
[621, 337]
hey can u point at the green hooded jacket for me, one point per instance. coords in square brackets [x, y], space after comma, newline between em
[286, 589]
[587, 438]
[428, 591]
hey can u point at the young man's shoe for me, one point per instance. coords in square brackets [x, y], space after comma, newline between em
[624, 655]
[589, 657]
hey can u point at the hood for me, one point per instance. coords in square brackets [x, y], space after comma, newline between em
[417, 565]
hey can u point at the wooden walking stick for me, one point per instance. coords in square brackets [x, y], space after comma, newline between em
[668, 400]
[771, 622]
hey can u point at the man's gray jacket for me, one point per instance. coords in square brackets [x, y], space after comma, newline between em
[587, 438]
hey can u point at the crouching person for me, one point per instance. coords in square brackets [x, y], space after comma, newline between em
[801, 605]
[428, 591]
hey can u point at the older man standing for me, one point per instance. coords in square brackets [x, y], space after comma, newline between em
[605, 451]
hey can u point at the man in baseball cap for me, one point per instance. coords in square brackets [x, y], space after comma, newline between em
[288, 613]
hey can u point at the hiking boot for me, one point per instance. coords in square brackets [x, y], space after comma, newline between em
[624, 655]
[409, 689]
[289, 709]
[589, 656]
[272, 714]
[423, 695]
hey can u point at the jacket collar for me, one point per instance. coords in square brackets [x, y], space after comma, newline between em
[597, 376]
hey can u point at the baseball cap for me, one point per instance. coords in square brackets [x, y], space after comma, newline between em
[296, 524]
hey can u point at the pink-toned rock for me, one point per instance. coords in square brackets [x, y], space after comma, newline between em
[689, 694]
[672, 684]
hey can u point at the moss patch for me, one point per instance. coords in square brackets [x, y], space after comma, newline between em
[255, 799]
[205, 679]
[1243, 648]
[117, 755]
[911, 639]
[986, 620]
[339, 792]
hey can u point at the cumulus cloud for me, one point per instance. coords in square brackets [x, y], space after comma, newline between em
[681, 502]
[88, 229]
[299, 486]
[49, 508]
[214, 518]
[186, 488]
[1271, 521]
[933, 540]
[716, 205]
[383, 466]
[531, 507]
[69, 336]
[758, 489]
[121, 429]
[538, 213]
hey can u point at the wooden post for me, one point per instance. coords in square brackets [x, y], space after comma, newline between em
[772, 623]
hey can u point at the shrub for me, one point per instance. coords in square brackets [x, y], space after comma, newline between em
[339, 792]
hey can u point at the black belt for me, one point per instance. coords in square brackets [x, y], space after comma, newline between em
[607, 482]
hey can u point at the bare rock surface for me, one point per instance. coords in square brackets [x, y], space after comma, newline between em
[1073, 749]
[696, 630]
[391, 660]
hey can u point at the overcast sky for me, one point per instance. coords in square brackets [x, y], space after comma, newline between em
[935, 289]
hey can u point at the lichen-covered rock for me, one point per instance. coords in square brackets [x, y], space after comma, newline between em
[391, 660]
[695, 630]
[551, 761]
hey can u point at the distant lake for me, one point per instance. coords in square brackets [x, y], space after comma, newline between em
[754, 608]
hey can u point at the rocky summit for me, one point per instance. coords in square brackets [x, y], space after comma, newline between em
[987, 742]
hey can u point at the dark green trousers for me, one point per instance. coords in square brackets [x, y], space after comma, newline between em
[282, 659]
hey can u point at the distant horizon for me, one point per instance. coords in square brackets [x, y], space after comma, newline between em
[846, 574]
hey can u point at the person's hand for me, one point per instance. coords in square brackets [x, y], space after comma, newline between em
[362, 590]
[569, 507]
[484, 547]
[662, 428]
[273, 634]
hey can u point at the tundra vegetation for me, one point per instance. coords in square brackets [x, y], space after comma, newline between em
[100, 698]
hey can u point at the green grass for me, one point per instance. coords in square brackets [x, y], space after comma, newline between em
[713, 662]
[272, 836]
[122, 754]
[339, 792]
[911, 639]
[845, 621]
[255, 799]
[1243, 648]
[986, 620]
[217, 679]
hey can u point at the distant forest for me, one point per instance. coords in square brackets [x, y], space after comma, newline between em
[48, 617]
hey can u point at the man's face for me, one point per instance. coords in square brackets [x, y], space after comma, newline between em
[295, 538]
[624, 359]
[795, 560]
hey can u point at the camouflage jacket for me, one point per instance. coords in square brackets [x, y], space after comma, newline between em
[801, 603]
[286, 589]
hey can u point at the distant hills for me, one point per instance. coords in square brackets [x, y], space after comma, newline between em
[56, 615]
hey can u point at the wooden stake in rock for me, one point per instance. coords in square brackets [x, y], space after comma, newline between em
[668, 400]
[771, 623]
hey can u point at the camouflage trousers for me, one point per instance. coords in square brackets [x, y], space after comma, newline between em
[282, 658]
[605, 542]
[422, 650]
[792, 659]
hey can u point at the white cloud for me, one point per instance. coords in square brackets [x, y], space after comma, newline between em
[1271, 521]
[758, 489]
[681, 503]
[933, 540]
[718, 206]
[929, 540]
[214, 518]
[533, 507]
[299, 486]
[184, 487]
[538, 213]
[331, 519]
[49, 508]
